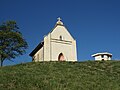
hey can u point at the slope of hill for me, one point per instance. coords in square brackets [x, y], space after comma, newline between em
[89, 75]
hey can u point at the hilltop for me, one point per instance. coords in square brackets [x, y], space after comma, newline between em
[89, 75]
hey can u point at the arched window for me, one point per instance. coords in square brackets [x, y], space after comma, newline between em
[61, 57]
[60, 37]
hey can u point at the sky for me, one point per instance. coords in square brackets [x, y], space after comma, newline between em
[94, 24]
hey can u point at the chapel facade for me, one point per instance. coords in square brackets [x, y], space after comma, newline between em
[58, 45]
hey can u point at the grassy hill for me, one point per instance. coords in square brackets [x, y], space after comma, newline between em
[89, 75]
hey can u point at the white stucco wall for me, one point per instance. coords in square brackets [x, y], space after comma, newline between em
[105, 57]
[99, 57]
[58, 48]
[74, 50]
[102, 56]
[39, 55]
[109, 58]
[61, 30]
[67, 45]
[47, 48]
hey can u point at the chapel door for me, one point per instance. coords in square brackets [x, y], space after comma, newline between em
[61, 57]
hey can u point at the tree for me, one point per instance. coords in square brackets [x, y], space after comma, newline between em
[12, 43]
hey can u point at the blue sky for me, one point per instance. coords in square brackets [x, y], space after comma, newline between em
[95, 24]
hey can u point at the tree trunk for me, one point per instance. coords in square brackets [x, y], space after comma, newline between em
[1, 61]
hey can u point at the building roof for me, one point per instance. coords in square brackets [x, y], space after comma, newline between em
[104, 53]
[40, 45]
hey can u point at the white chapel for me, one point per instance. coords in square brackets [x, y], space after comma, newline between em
[58, 45]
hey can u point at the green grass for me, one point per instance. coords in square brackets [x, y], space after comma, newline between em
[89, 75]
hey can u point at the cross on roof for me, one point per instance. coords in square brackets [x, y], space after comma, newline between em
[59, 19]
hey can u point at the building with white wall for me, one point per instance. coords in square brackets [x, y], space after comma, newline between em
[58, 45]
[102, 56]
